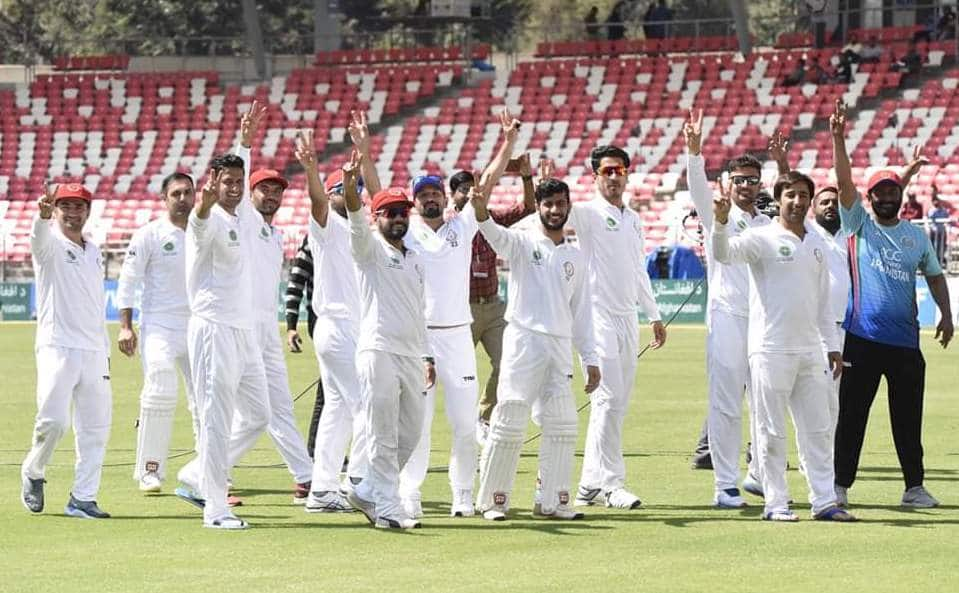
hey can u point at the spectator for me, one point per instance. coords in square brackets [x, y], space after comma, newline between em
[843, 73]
[657, 19]
[946, 27]
[911, 63]
[648, 29]
[798, 75]
[912, 209]
[591, 21]
[938, 218]
[871, 51]
[615, 28]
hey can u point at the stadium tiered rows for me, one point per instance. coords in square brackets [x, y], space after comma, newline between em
[120, 133]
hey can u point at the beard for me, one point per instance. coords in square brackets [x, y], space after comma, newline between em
[553, 227]
[268, 208]
[886, 210]
[831, 224]
[395, 231]
[432, 211]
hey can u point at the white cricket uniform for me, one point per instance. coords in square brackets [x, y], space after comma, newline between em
[392, 342]
[548, 311]
[612, 240]
[446, 254]
[839, 285]
[154, 268]
[267, 268]
[790, 324]
[225, 357]
[727, 324]
[336, 295]
[72, 350]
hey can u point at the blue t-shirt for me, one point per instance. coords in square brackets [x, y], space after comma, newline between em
[883, 264]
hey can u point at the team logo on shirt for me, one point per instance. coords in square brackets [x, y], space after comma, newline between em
[818, 253]
[785, 250]
[232, 235]
[568, 270]
[264, 232]
[537, 257]
[131, 252]
[168, 246]
[394, 262]
[741, 224]
[71, 257]
[908, 243]
[452, 239]
[610, 223]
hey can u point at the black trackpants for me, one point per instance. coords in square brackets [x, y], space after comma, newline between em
[905, 372]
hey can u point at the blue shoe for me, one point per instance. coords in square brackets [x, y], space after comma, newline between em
[729, 498]
[84, 509]
[786, 516]
[187, 495]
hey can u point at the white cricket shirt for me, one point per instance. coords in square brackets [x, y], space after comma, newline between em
[839, 282]
[446, 255]
[391, 293]
[71, 305]
[549, 289]
[728, 283]
[267, 268]
[613, 242]
[789, 294]
[155, 268]
[336, 292]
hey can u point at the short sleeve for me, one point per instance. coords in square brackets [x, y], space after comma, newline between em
[853, 218]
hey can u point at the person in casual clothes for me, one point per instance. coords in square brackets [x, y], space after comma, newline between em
[912, 209]
[882, 332]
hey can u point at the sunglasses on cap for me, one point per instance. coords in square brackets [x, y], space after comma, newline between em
[745, 180]
[394, 212]
[609, 170]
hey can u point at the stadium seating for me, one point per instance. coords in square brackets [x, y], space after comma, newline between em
[398, 55]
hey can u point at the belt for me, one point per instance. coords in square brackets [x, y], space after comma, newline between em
[484, 300]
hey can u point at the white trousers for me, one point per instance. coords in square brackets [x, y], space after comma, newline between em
[394, 391]
[66, 375]
[617, 341]
[228, 377]
[834, 394]
[456, 371]
[536, 373]
[282, 427]
[727, 376]
[343, 405]
[801, 383]
[163, 352]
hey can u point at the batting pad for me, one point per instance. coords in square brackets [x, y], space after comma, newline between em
[556, 449]
[501, 453]
[155, 426]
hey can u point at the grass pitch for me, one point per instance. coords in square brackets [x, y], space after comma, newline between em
[676, 542]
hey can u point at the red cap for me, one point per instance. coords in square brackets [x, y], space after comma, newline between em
[388, 197]
[332, 180]
[267, 175]
[884, 176]
[72, 190]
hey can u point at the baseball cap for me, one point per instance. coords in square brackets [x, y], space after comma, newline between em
[334, 182]
[267, 175]
[884, 176]
[388, 197]
[72, 190]
[423, 181]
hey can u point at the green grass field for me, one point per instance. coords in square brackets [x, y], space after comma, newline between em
[676, 542]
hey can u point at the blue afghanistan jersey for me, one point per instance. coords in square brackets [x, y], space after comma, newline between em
[883, 262]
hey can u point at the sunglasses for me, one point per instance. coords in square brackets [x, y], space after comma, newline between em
[395, 212]
[608, 171]
[745, 180]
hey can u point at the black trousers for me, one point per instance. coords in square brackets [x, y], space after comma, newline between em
[905, 372]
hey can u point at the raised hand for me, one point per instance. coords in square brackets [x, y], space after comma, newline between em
[351, 168]
[837, 121]
[693, 131]
[303, 149]
[723, 203]
[525, 169]
[46, 201]
[547, 168]
[250, 123]
[210, 192]
[510, 125]
[359, 132]
[778, 146]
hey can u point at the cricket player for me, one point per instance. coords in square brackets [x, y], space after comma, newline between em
[72, 348]
[335, 336]
[392, 346]
[882, 332]
[446, 246]
[548, 311]
[611, 237]
[727, 319]
[155, 268]
[790, 323]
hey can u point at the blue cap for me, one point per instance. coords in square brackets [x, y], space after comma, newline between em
[423, 181]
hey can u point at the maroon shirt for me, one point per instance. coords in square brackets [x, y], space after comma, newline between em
[911, 211]
[483, 279]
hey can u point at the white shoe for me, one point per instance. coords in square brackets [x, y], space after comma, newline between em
[753, 486]
[918, 497]
[368, 508]
[586, 496]
[562, 511]
[150, 482]
[226, 522]
[413, 507]
[396, 523]
[622, 499]
[462, 504]
[327, 502]
[730, 498]
[495, 513]
[482, 432]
